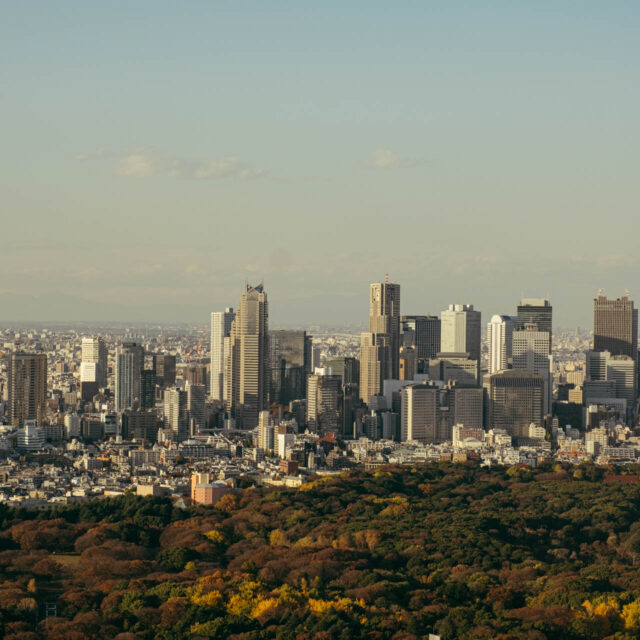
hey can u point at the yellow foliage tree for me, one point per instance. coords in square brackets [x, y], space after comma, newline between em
[215, 536]
[631, 615]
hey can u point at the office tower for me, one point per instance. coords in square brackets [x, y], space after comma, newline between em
[266, 438]
[129, 363]
[220, 329]
[610, 377]
[615, 326]
[430, 412]
[423, 334]
[420, 413]
[461, 332]
[93, 367]
[374, 356]
[348, 368]
[515, 399]
[466, 406]
[532, 352]
[147, 389]
[196, 394]
[139, 425]
[27, 388]
[499, 340]
[536, 311]
[458, 367]
[384, 319]
[324, 403]
[165, 367]
[175, 412]
[248, 361]
[290, 362]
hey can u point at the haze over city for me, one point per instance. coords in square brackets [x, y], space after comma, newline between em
[154, 156]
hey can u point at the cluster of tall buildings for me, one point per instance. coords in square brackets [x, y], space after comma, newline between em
[417, 377]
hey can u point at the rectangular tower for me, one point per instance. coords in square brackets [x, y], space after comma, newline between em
[220, 329]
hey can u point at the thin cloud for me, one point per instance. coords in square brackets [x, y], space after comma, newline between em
[387, 159]
[149, 163]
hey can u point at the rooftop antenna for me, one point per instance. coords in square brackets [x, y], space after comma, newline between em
[386, 278]
[626, 293]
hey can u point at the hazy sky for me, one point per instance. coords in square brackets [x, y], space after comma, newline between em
[153, 155]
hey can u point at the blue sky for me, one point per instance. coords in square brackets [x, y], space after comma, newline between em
[153, 155]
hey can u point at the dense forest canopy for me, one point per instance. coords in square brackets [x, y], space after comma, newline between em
[400, 552]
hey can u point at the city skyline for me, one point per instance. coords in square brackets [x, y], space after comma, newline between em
[490, 141]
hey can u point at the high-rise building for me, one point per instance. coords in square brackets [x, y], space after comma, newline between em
[248, 361]
[324, 403]
[536, 311]
[615, 326]
[532, 352]
[290, 363]
[461, 331]
[27, 388]
[196, 395]
[515, 399]
[384, 319]
[374, 354]
[220, 329]
[147, 389]
[164, 365]
[93, 367]
[423, 334]
[141, 425]
[347, 368]
[429, 412]
[500, 341]
[129, 364]
[266, 437]
[454, 367]
[175, 412]
[621, 370]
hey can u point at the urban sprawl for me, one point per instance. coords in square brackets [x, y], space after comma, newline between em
[88, 412]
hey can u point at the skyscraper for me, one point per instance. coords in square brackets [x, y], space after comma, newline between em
[324, 403]
[515, 399]
[384, 318]
[374, 355]
[129, 364]
[93, 367]
[290, 363]
[27, 388]
[220, 329]
[248, 360]
[175, 412]
[380, 346]
[164, 365]
[500, 341]
[615, 326]
[532, 352]
[536, 311]
[196, 395]
[460, 330]
[423, 334]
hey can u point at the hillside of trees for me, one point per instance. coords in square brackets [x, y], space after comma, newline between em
[396, 553]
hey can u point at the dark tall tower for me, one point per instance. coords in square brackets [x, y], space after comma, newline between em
[290, 355]
[423, 334]
[536, 311]
[27, 387]
[615, 326]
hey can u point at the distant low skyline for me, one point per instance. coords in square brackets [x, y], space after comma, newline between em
[155, 155]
